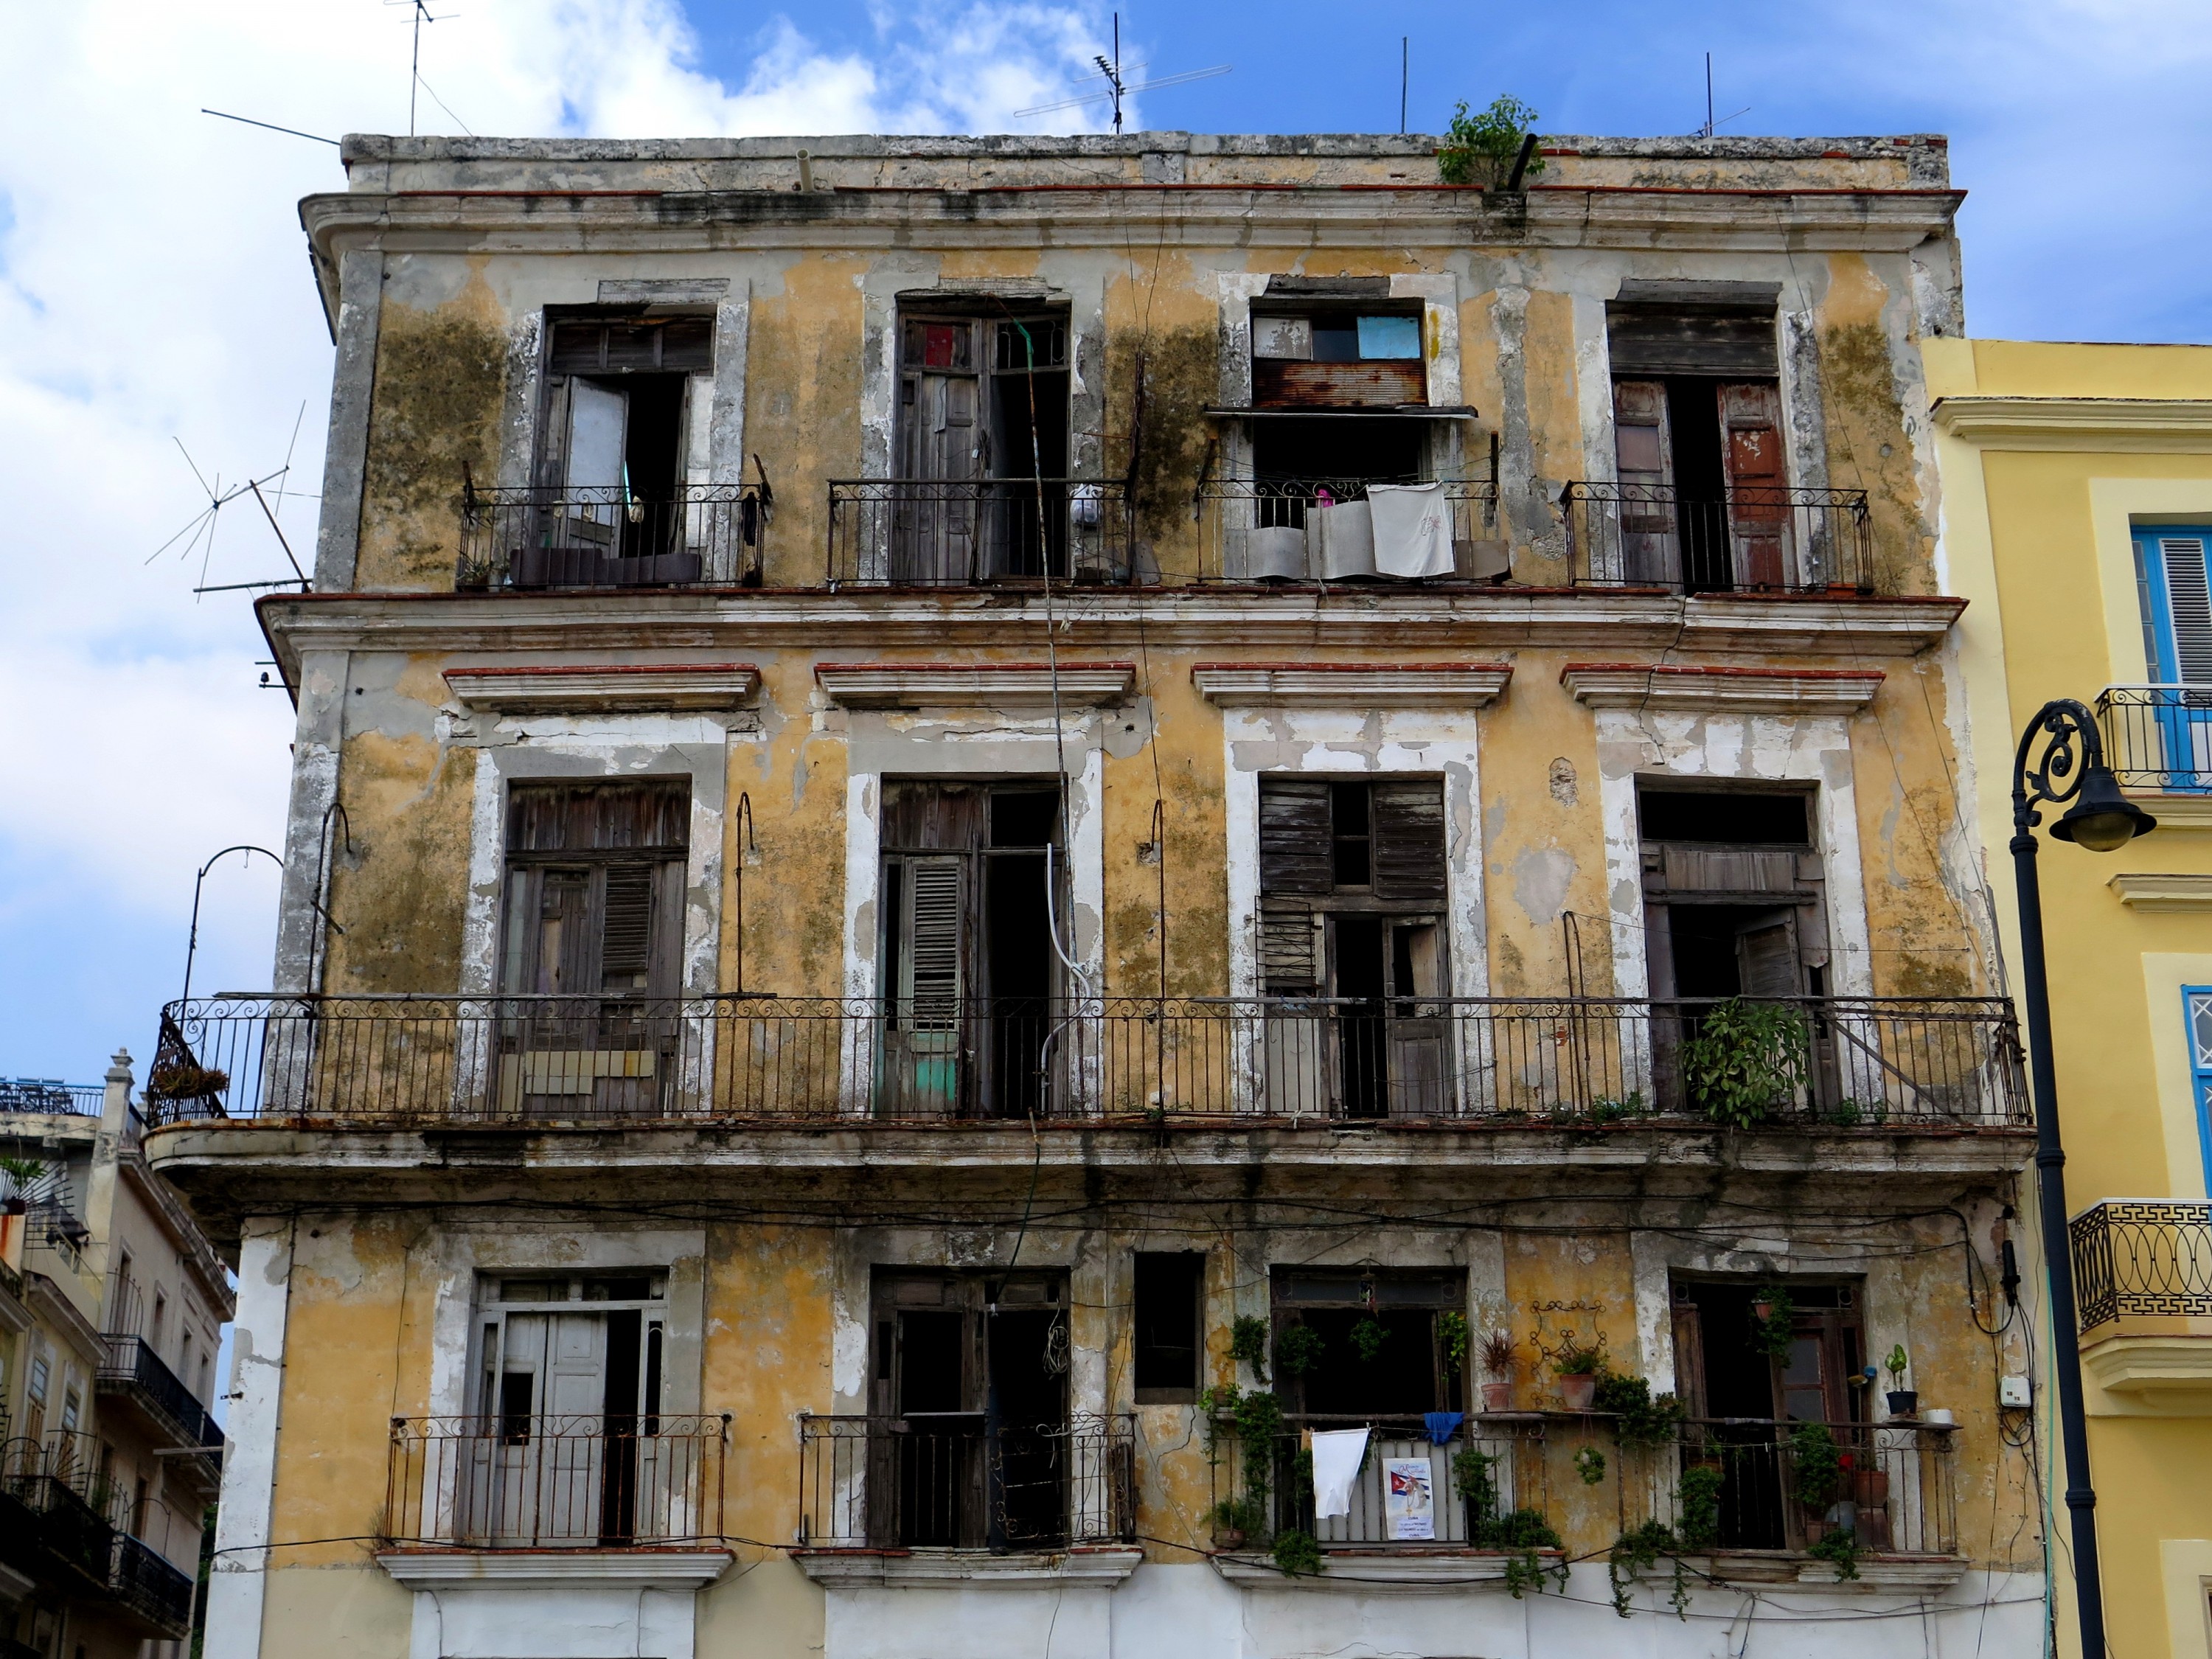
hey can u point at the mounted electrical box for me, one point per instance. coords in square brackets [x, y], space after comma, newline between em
[2015, 1393]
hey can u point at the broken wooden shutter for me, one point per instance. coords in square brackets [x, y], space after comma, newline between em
[1644, 457]
[1409, 842]
[1767, 955]
[1758, 496]
[931, 975]
[1290, 953]
[1294, 837]
[1689, 1359]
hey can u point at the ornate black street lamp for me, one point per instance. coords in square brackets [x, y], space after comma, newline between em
[2062, 761]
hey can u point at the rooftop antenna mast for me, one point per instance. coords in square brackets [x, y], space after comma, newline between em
[1116, 87]
[1113, 73]
[1712, 126]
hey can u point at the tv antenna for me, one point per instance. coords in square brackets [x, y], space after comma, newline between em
[1712, 126]
[200, 531]
[1117, 85]
[421, 15]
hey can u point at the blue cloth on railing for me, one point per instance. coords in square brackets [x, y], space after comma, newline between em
[1443, 1425]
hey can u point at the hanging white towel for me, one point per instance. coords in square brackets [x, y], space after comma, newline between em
[1413, 529]
[1336, 1454]
[1340, 541]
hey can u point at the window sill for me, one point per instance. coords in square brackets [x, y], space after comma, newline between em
[1878, 1575]
[1104, 1564]
[1417, 1567]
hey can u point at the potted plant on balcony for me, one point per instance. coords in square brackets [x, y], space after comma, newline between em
[182, 1080]
[1236, 1520]
[1817, 1474]
[1579, 1367]
[1903, 1401]
[1497, 1351]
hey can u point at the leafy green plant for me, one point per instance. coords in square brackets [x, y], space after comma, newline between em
[1296, 1554]
[1746, 1061]
[1247, 1343]
[1698, 1507]
[1239, 1515]
[1817, 1464]
[1479, 149]
[1519, 1529]
[1895, 1365]
[1635, 1552]
[1297, 1349]
[1772, 1335]
[1849, 1114]
[1590, 1463]
[1474, 1472]
[1841, 1549]
[1575, 1358]
[180, 1079]
[1643, 1419]
[1453, 1336]
[1368, 1336]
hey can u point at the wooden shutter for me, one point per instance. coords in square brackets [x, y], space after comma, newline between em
[1641, 449]
[938, 817]
[1294, 836]
[1409, 842]
[1759, 501]
[1689, 1359]
[930, 975]
[626, 928]
[1767, 955]
[1290, 953]
[2189, 605]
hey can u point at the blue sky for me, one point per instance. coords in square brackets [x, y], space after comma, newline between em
[153, 292]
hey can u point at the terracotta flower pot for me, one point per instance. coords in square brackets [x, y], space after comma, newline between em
[1870, 1488]
[1498, 1396]
[1229, 1537]
[1576, 1391]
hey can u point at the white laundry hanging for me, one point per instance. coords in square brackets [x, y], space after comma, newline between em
[1340, 541]
[1337, 1454]
[1413, 529]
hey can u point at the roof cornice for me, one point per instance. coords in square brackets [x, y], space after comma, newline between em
[2116, 423]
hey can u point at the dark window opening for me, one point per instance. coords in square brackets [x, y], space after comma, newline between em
[1351, 833]
[1374, 1349]
[1169, 1326]
[1294, 459]
[1738, 816]
[971, 1413]
[611, 460]
[968, 965]
[1742, 1401]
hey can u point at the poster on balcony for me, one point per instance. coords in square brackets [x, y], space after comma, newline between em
[1409, 1509]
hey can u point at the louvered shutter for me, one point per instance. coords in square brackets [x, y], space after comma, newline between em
[931, 942]
[2189, 605]
[1409, 842]
[626, 928]
[1759, 508]
[1290, 953]
[1690, 1358]
[1294, 847]
[1767, 956]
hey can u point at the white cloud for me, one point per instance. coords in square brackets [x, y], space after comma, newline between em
[154, 288]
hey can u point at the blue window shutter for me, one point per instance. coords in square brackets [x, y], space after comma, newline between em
[2197, 1025]
[2176, 595]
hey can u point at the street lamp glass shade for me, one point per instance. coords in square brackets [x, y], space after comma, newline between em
[2101, 818]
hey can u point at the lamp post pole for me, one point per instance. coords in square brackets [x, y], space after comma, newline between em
[2062, 759]
[192, 941]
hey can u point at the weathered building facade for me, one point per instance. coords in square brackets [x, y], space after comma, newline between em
[111, 1301]
[1045, 822]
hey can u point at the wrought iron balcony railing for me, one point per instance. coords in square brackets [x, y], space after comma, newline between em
[1838, 1063]
[157, 1592]
[966, 532]
[1750, 540]
[133, 1371]
[2158, 738]
[51, 1097]
[959, 1480]
[1786, 1486]
[1268, 529]
[2135, 1257]
[54, 1487]
[510, 1481]
[532, 537]
[1487, 1487]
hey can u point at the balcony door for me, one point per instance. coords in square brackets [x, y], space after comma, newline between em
[969, 1445]
[2176, 618]
[969, 971]
[590, 939]
[982, 447]
[1353, 885]
[568, 1385]
[1703, 497]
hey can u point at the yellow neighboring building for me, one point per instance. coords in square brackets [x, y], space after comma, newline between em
[2077, 513]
